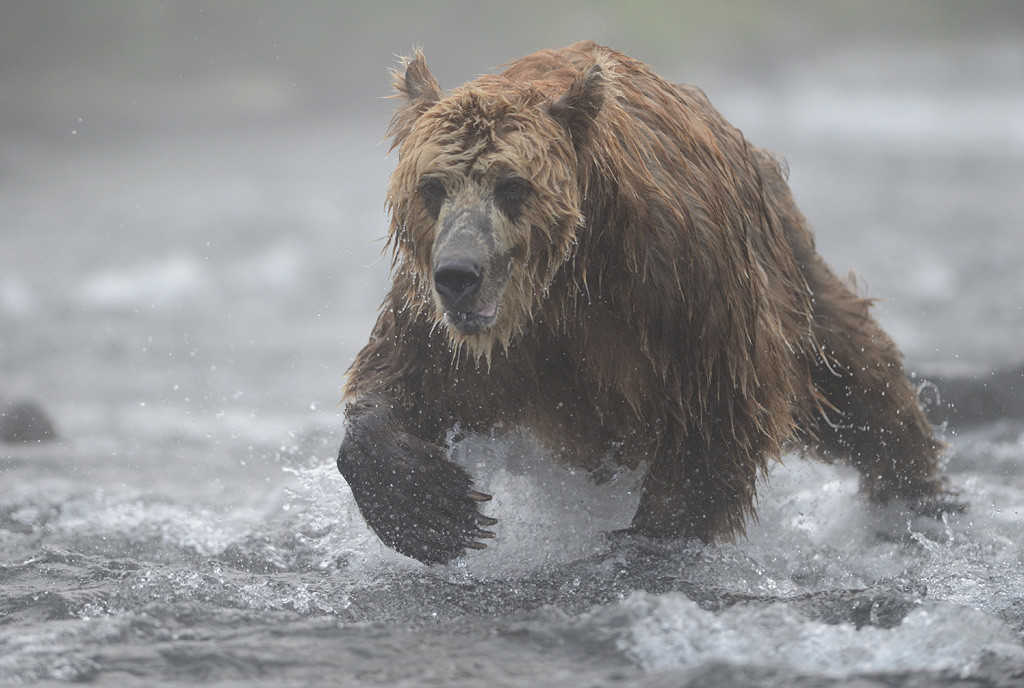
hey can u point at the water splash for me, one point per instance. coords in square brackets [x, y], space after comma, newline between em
[670, 630]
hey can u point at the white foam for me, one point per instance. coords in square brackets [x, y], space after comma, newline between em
[670, 630]
[173, 526]
[547, 513]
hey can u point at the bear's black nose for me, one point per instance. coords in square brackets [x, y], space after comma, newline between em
[457, 280]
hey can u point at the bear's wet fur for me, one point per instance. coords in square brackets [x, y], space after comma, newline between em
[589, 251]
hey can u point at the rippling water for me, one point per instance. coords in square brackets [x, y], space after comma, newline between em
[183, 307]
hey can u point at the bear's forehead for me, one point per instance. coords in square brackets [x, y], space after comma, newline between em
[482, 155]
[494, 112]
[479, 130]
[486, 131]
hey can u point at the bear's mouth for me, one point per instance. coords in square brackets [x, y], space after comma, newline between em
[472, 322]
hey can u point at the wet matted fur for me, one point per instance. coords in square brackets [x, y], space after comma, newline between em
[589, 251]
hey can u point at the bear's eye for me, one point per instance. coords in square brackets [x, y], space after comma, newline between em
[510, 194]
[433, 193]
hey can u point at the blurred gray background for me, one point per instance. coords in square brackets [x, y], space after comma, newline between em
[129, 64]
[190, 192]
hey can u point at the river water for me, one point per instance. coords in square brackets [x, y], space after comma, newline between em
[183, 303]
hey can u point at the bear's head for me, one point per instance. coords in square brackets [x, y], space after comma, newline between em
[485, 199]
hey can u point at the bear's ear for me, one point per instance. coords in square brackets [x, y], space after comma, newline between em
[416, 83]
[577, 108]
[418, 89]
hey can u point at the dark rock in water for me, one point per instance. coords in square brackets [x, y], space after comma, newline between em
[25, 421]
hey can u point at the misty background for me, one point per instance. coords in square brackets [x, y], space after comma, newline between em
[214, 173]
[125, 65]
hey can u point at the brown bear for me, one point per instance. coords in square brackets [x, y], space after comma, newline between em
[586, 250]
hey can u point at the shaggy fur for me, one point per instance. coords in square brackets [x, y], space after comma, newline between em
[589, 251]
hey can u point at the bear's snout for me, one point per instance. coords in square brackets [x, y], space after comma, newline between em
[469, 268]
[457, 281]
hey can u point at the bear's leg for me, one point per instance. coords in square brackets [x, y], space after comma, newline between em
[416, 500]
[698, 492]
[874, 420]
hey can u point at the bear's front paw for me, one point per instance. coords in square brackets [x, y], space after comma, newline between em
[417, 501]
